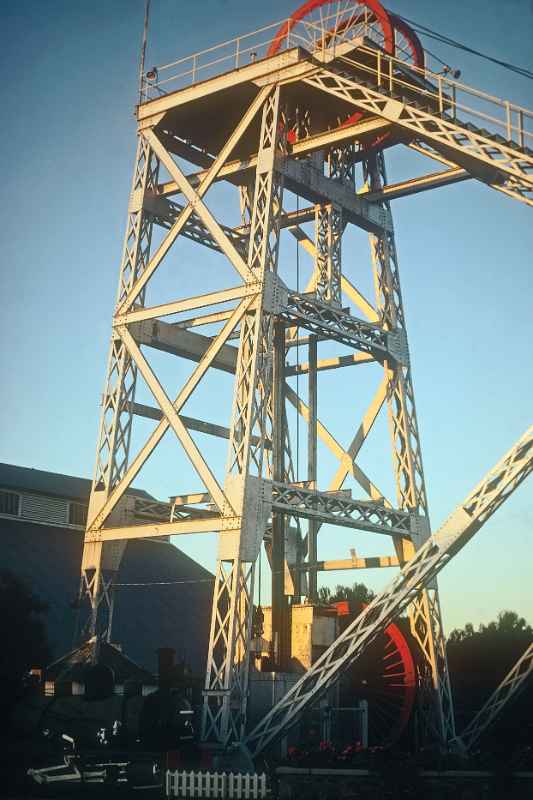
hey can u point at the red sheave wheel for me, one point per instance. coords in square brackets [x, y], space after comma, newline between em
[315, 22]
[385, 677]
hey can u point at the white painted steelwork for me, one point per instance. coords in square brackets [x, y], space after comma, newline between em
[417, 573]
[256, 319]
[504, 693]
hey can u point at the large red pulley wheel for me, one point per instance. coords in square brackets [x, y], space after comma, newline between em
[384, 676]
[316, 21]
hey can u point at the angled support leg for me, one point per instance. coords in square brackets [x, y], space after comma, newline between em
[425, 615]
[100, 563]
[226, 684]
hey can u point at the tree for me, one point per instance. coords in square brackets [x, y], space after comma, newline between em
[357, 593]
[23, 637]
[508, 622]
[479, 660]
[458, 635]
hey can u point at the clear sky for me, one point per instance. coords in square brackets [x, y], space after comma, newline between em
[68, 93]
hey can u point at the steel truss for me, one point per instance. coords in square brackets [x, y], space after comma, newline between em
[424, 614]
[434, 554]
[339, 510]
[228, 659]
[505, 693]
[260, 497]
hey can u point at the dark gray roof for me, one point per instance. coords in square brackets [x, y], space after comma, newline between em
[174, 615]
[50, 483]
[71, 666]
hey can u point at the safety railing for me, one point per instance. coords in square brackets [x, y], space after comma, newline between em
[250, 47]
[513, 122]
[446, 95]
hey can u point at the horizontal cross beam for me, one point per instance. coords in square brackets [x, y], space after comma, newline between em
[333, 323]
[433, 555]
[171, 338]
[193, 424]
[335, 565]
[335, 508]
[307, 181]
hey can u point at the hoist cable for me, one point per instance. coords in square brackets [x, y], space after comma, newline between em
[422, 30]
[297, 354]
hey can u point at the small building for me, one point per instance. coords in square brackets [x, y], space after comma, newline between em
[313, 629]
[67, 675]
[42, 522]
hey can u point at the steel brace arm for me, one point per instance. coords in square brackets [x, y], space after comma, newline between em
[508, 689]
[451, 537]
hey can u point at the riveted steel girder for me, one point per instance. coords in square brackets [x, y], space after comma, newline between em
[330, 322]
[451, 537]
[336, 509]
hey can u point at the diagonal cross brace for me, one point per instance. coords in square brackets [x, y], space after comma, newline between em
[157, 434]
[437, 551]
[174, 420]
[508, 689]
[195, 205]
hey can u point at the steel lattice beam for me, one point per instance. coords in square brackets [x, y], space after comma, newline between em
[443, 545]
[506, 692]
[335, 509]
[470, 148]
[225, 694]
[100, 563]
[330, 322]
[435, 699]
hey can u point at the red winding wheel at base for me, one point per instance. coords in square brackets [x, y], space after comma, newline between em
[385, 677]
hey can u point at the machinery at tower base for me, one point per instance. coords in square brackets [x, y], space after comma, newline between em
[384, 681]
[108, 737]
[309, 114]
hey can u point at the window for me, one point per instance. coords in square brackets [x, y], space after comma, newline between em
[9, 503]
[77, 514]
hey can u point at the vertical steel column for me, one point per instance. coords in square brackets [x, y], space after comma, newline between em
[246, 197]
[313, 527]
[280, 608]
[328, 231]
[329, 227]
[226, 685]
[425, 614]
[341, 164]
[100, 562]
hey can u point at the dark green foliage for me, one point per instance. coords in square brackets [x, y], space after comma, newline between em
[357, 593]
[22, 635]
[478, 661]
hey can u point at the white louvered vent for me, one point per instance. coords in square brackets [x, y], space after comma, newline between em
[9, 503]
[45, 509]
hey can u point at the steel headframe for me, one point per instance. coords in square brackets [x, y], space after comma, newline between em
[260, 493]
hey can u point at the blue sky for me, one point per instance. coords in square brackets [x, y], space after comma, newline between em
[69, 90]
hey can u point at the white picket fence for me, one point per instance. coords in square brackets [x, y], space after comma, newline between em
[216, 784]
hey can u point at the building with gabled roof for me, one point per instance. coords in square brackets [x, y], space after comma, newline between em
[42, 522]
